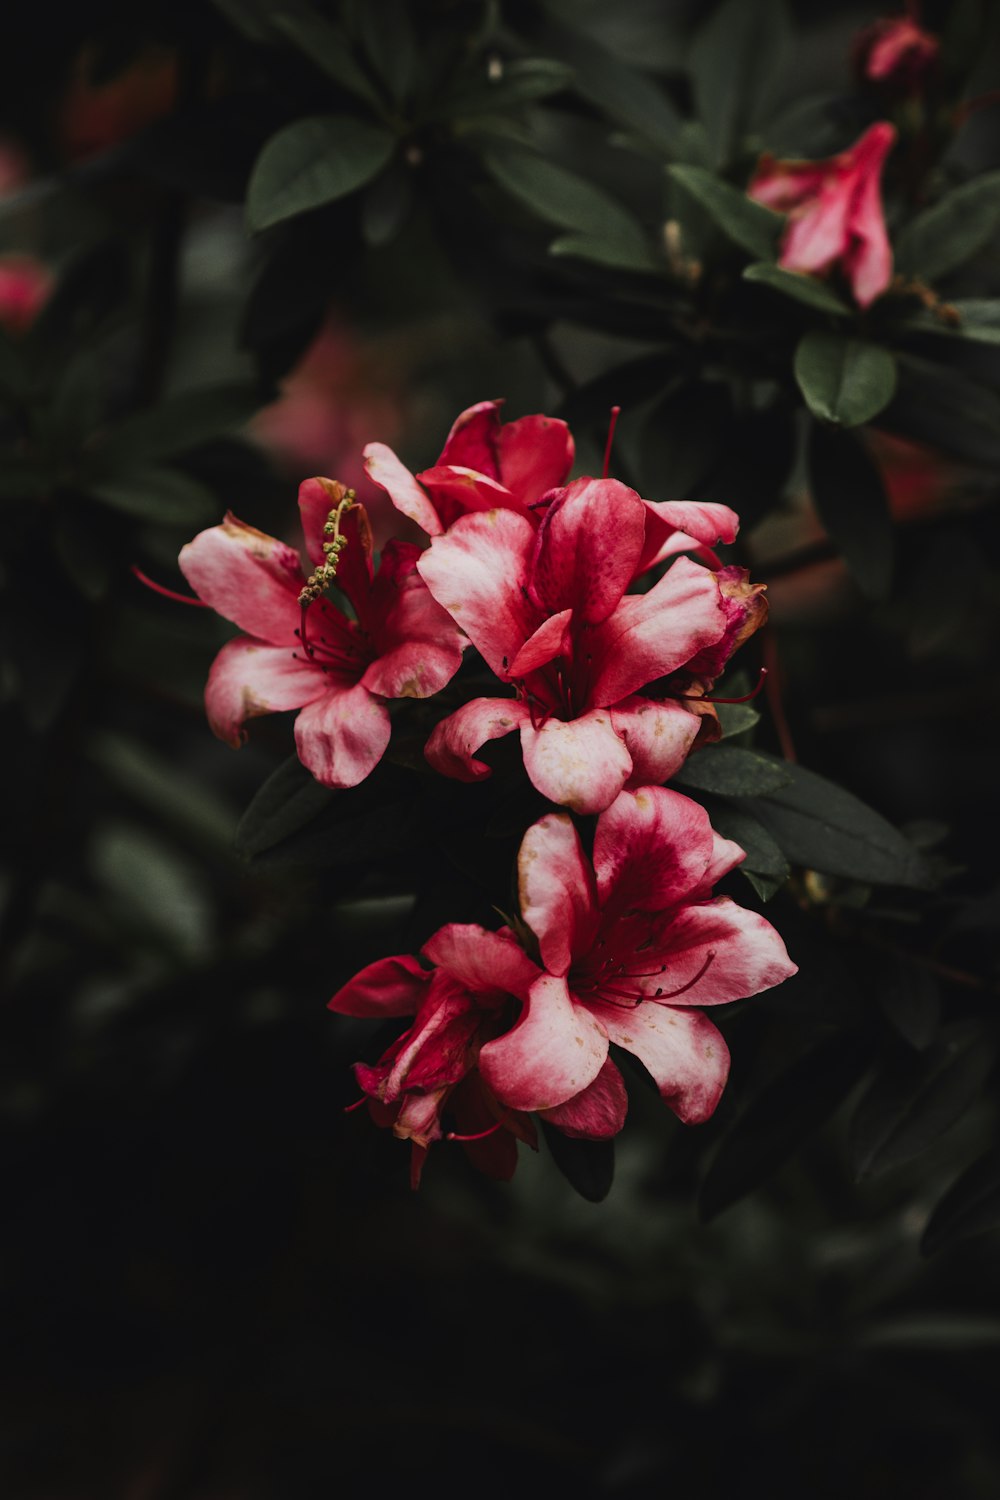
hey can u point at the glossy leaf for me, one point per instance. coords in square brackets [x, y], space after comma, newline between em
[798, 286]
[970, 1206]
[290, 798]
[947, 235]
[729, 771]
[313, 162]
[748, 224]
[733, 62]
[843, 380]
[162, 495]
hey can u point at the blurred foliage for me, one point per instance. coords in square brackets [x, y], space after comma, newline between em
[276, 233]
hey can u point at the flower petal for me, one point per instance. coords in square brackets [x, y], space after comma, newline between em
[455, 491]
[477, 573]
[557, 892]
[452, 746]
[484, 963]
[472, 441]
[388, 987]
[550, 640]
[249, 678]
[342, 736]
[650, 635]
[651, 849]
[247, 577]
[536, 454]
[317, 497]
[589, 543]
[553, 1052]
[597, 1112]
[681, 525]
[384, 469]
[658, 736]
[685, 1054]
[418, 644]
[729, 953]
[579, 763]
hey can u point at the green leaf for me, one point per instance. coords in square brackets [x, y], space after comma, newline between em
[387, 36]
[602, 252]
[748, 224]
[161, 495]
[729, 771]
[940, 406]
[588, 1166]
[734, 61]
[798, 286]
[386, 205]
[764, 859]
[970, 1206]
[173, 426]
[978, 321]
[908, 1108]
[950, 233]
[328, 46]
[562, 198]
[290, 798]
[312, 162]
[155, 885]
[778, 1121]
[155, 783]
[624, 94]
[823, 827]
[519, 83]
[851, 503]
[843, 380]
[736, 718]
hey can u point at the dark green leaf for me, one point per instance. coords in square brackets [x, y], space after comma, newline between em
[735, 57]
[798, 286]
[777, 1122]
[161, 495]
[843, 380]
[154, 782]
[387, 37]
[312, 162]
[907, 1108]
[851, 503]
[748, 224]
[604, 252]
[623, 93]
[950, 233]
[970, 1206]
[562, 198]
[588, 1166]
[519, 83]
[386, 205]
[910, 998]
[76, 405]
[736, 718]
[823, 827]
[938, 405]
[290, 798]
[680, 438]
[328, 46]
[14, 378]
[978, 321]
[764, 859]
[729, 771]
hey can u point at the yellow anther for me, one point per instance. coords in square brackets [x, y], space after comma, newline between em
[319, 581]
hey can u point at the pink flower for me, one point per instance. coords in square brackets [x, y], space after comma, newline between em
[895, 51]
[25, 287]
[472, 995]
[487, 464]
[628, 946]
[631, 944]
[339, 672]
[835, 212]
[546, 608]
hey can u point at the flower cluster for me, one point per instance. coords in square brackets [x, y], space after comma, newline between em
[619, 941]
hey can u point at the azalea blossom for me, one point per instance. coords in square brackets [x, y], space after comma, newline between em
[625, 949]
[895, 51]
[487, 464]
[546, 608]
[300, 651]
[835, 212]
[26, 284]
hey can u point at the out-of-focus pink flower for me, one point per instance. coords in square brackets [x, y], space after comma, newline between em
[488, 464]
[546, 608]
[835, 212]
[629, 946]
[94, 116]
[340, 392]
[338, 671]
[25, 287]
[896, 52]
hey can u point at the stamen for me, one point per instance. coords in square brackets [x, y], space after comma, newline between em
[319, 581]
[672, 994]
[747, 697]
[350, 1108]
[615, 414]
[158, 588]
[481, 1136]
